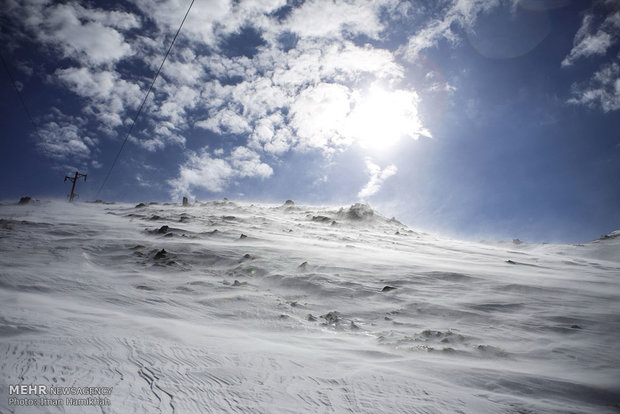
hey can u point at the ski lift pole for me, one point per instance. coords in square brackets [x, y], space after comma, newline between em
[74, 181]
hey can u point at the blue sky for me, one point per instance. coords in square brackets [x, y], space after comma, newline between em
[477, 119]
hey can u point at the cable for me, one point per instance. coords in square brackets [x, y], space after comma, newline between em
[144, 101]
[21, 98]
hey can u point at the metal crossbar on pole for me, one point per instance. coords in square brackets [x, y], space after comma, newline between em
[74, 181]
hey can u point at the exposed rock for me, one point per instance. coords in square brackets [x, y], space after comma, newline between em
[162, 230]
[25, 200]
[312, 318]
[185, 202]
[321, 219]
[141, 205]
[387, 288]
[359, 211]
[289, 203]
[162, 254]
[331, 318]
[243, 236]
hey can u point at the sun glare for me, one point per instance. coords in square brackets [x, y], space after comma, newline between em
[380, 118]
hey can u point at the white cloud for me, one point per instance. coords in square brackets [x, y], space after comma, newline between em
[310, 97]
[317, 115]
[377, 177]
[593, 41]
[317, 18]
[595, 37]
[87, 35]
[205, 172]
[602, 90]
[64, 141]
[107, 95]
[225, 121]
[458, 12]
[247, 163]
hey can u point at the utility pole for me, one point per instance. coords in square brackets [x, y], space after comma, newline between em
[74, 181]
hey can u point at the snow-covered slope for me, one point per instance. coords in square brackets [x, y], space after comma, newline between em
[226, 307]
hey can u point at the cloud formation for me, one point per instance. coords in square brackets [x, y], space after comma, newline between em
[596, 36]
[204, 171]
[602, 90]
[320, 75]
[461, 13]
[377, 177]
[592, 39]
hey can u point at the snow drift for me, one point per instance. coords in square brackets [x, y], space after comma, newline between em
[226, 307]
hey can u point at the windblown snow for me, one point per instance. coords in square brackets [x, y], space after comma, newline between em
[225, 307]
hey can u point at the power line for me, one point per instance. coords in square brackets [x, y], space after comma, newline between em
[21, 98]
[144, 101]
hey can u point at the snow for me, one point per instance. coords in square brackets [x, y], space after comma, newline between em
[295, 317]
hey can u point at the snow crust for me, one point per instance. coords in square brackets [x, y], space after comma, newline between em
[226, 307]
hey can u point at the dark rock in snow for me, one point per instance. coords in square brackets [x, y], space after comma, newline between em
[162, 254]
[359, 211]
[141, 205]
[243, 236]
[320, 219]
[510, 261]
[185, 202]
[289, 203]
[24, 201]
[576, 327]
[143, 287]
[303, 266]
[387, 288]
[312, 318]
[162, 230]
[331, 318]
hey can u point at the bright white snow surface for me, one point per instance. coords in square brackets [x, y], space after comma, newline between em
[294, 318]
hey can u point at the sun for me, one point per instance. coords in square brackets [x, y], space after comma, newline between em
[381, 117]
